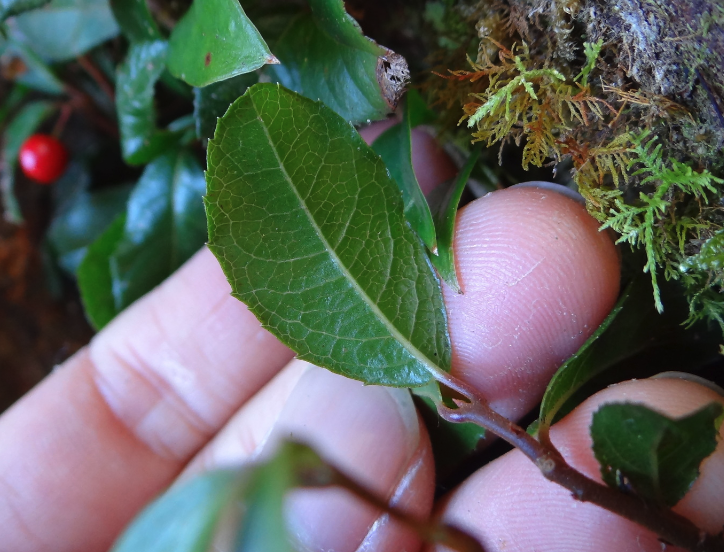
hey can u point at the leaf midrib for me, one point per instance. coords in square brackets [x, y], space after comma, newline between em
[431, 367]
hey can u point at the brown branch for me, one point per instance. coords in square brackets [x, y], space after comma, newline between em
[97, 75]
[431, 533]
[671, 527]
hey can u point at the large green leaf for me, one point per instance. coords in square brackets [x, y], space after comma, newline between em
[394, 146]
[135, 20]
[165, 225]
[95, 280]
[324, 56]
[15, 7]
[20, 128]
[215, 41]
[82, 222]
[445, 201]
[652, 455]
[212, 101]
[65, 29]
[141, 141]
[310, 232]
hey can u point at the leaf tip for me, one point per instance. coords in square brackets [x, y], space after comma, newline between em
[272, 60]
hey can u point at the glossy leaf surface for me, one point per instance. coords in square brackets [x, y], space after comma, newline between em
[95, 280]
[215, 41]
[445, 201]
[25, 123]
[654, 456]
[165, 225]
[394, 146]
[65, 29]
[135, 20]
[212, 101]
[162, 227]
[324, 56]
[141, 141]
[309, 230]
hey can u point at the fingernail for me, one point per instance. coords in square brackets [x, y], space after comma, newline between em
[553, 187]
[692, 378]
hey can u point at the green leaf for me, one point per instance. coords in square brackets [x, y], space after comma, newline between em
[420, 114]
[141, 141]
[445, 201]
[20, 128]
[164, 226]
[9, 8]
[650, 454]
[324, 56]
[184, 519]
[309, 230]
[211, 102]
[95, 280]
[135, 20]
[37, 75]
[394, 146]
[82, 222]
[239, 510]
[215, 41]
[623, 332]
[66, 29]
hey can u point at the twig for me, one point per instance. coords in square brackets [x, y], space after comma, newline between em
[432, 533]
[97, 75]
[671, 527]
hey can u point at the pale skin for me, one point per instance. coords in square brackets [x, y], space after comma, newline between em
[186, 380]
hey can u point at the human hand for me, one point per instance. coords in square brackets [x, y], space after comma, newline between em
[186, 380]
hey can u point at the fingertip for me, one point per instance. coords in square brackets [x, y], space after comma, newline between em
[538, 278]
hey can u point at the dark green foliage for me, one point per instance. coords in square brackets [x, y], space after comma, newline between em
[654, 456]
[310, 232]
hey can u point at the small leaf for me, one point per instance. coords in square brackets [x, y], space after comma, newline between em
[622, 333]
[215, 41]
[162, 227]
[9, 8]
[66, 29]
[445, 201]
[141, 141]
[20, 128]
[165, 225]
[95, 281]
[135, 20]
[82, 222]
[212, 101]
[394, 146]
[185, 518]
[35, 73]
[650, 454]
[309, 230]
[324, 56]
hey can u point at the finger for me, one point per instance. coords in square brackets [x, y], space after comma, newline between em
[371, 433]
[538, 278]
[119, 421]
[509, 506]
[108, 430]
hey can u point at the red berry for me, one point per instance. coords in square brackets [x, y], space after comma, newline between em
[43, 158]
